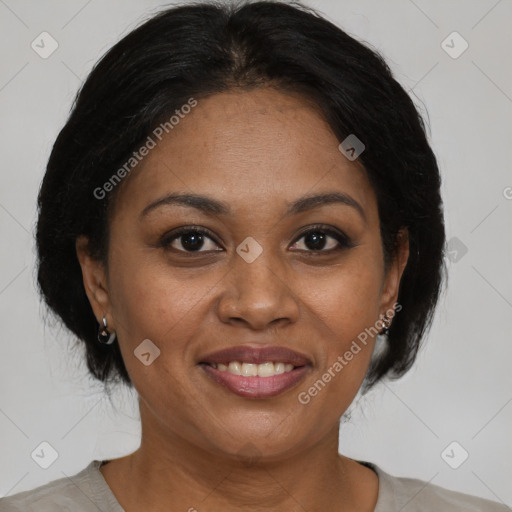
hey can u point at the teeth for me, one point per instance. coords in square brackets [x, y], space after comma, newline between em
[234, 367]
[249, 370]
[279, 368]
[267, 369]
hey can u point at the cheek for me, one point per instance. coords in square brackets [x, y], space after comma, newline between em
[151, 301]
[345, 298]
[345, 302]
[344, 309]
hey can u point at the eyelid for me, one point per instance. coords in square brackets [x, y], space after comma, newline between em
[175, 234]
[342, 238]
[344, 241]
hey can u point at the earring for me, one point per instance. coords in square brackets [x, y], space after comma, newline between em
[104, 337]
[386, 324]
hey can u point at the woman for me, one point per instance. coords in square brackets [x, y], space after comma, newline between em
[242, 220]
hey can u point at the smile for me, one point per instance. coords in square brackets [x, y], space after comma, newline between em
[256, 386]
[255, 371]
[267, 369]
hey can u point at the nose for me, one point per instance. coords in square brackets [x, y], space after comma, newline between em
[258, 294]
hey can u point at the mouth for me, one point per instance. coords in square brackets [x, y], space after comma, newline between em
[256, 372]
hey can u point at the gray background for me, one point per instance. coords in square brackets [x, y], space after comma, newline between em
[460, 389]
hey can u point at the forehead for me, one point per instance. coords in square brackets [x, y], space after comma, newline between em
[248, 148]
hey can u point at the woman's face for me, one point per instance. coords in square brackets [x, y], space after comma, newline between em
[255, 279]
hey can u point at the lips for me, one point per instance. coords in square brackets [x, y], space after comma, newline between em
[255, 386]
[256, 355]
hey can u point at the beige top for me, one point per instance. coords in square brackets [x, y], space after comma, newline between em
[87, 491]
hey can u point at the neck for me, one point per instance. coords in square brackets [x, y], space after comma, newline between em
[168, 468]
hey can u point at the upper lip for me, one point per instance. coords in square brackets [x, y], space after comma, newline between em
[256, 355]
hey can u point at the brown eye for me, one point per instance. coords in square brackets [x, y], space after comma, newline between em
[190, 239]
[321, 239]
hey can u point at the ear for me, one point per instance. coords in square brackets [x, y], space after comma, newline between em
[95, 282]
[391, 283]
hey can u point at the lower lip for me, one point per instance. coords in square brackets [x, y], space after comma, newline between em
[256, 387]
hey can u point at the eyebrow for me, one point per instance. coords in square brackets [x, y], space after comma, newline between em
[212, 206]
[311, 201]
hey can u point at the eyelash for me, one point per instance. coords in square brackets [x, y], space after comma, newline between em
[342, 239]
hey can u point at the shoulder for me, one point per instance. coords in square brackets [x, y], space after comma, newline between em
[413, 495]
[77, 492]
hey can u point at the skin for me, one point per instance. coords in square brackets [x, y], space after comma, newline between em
[202, 446]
